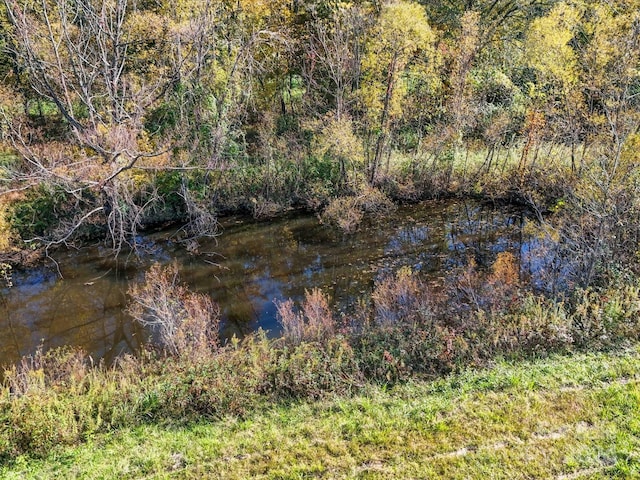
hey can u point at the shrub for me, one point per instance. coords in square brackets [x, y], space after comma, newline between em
[348, 212]
[345, 213]
[311, 370]
[41, 371]
[374, 202]
[605, 317]
[405, 332]
[249, 374]
[37, 213]
[535, 325]
[60, 397]
[5, 274]
[390, 355]
[314, 323]
[497, 290]
[316, 195]
[7, 234]
[228, 383]
[402, 298]
[186, 322]
[264, 208]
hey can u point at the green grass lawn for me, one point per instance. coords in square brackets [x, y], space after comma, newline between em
[561, 417]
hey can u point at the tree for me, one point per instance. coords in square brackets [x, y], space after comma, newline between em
[606, 48]
[498, 19]
[400, 37]
[459, 104]
[332, 58]
[336, 139]
[90, 61]
[556, 95]
[133, 89]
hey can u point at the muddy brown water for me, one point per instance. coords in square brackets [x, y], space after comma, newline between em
[249, 267]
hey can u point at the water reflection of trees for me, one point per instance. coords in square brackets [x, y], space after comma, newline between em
[256, 264]
[482, 233]
[45, 310]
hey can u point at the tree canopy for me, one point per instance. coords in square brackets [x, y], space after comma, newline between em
[101, 98]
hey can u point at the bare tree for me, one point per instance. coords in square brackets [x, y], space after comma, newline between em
[331, 66]
[78, 55]
[107, 66]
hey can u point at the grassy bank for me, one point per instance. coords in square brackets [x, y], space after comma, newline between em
[561, 417]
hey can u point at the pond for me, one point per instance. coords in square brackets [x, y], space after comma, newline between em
[249, 267]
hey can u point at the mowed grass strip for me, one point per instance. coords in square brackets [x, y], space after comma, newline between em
[570, 417]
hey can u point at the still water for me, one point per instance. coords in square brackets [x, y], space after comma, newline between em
[248, 267]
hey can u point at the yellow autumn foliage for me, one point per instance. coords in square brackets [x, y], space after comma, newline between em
[6, 232]
[547, 45]
[401, 35]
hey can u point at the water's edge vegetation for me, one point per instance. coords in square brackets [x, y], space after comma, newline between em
[254, 263]
[62, 398]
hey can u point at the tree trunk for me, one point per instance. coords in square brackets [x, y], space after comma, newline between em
[382, 137]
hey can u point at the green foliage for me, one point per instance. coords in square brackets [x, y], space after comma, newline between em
[228, 101]
[61, 398]
[169, 185]
[337, 140]
[7, 234]
[322, 170]
[408, 331]
[42, 108]
[563, 415]
[39, 211]
[287, 123]
[607, 317]
[161, 119]
[310, 370]
[269, 105]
